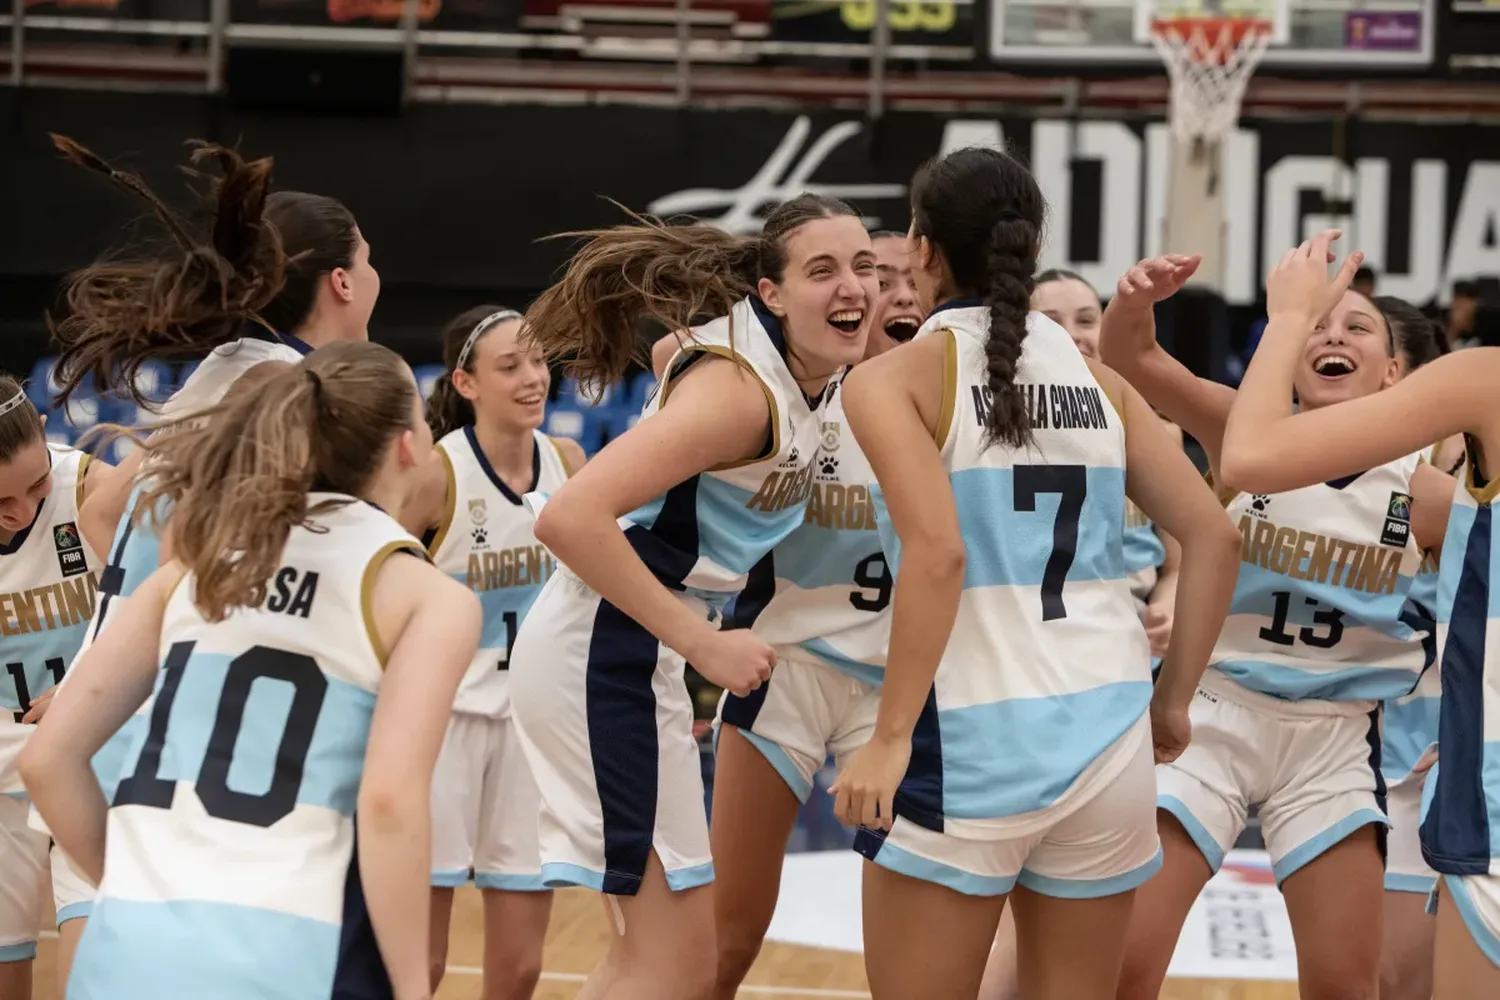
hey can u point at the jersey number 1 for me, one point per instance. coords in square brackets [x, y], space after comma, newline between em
[261, 809]
[1071, 483]
[23, 690]
[511, 626]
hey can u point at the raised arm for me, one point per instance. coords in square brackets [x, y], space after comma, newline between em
[1127, 344]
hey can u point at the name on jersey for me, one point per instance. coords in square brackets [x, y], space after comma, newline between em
[841, 507]
[1304, 555]
[42, 609]
[782, 489]
[523, 566]
[1053, 406]
[291, 592]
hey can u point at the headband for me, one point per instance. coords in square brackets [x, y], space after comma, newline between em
[13, 402]
[479, 329]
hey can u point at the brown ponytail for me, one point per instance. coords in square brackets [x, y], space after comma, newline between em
[257, 262]
[676, 275]
[238, 475]
[983, 211]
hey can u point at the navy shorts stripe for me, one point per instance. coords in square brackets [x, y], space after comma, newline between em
[1372, 737]
[360, 973]
[621, 706]
[920, 796]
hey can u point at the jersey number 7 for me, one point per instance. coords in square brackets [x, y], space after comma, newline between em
[1071, 483]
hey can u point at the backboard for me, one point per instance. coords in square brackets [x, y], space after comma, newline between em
[1309, 34]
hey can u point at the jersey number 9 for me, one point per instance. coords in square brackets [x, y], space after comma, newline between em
[872, 574]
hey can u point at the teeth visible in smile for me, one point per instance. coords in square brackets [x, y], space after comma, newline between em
[1333, 364]
[902, 327]
[529, 400]
[847, 316]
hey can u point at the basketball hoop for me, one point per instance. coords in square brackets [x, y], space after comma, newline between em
[1210, 60]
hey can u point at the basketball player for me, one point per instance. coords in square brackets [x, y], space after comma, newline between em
[485, 412]
[656, 534]
[49, 576]
[1012, 753]
[1320, 632]
[319, 668]
[1268, 447]
[1151, 558]
[275, 276]
[820, 599]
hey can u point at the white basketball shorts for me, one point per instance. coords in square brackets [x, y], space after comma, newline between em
[484, 808]
[805, 712]
[1313, 768]
[606, 724]
[1102, 842]
[23, 853]
[1405, 868]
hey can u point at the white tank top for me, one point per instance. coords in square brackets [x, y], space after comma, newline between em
[485, 541]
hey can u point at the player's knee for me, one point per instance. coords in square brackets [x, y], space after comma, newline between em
[737, 947]
[435, 968]
[1337, 981]
[516, 979]
[1141, 976]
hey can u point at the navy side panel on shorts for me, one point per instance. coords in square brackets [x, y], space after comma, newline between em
[361, 973]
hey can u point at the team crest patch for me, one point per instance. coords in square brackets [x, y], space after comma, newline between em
[1397, 521]
[69, 545]
[831, 435]
[477, 511]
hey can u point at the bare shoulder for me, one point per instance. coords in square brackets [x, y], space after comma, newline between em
[907, 365]
[406, 584]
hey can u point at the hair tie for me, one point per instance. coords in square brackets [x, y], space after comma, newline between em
[479, 329]
[13, 402]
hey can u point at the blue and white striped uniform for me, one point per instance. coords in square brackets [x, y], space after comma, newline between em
[1035, 737]
[604, 715]
[233, 866]
[484, 801]
[822, 598]
[1319, 633]
[1461, 830]
[49, 582]
[135, 554]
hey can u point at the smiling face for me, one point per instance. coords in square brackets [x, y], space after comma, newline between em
[1348, 356]
[1074, 306]
[897, 312]
[827, 294]
[508, 381]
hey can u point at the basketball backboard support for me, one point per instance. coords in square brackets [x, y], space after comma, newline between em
[1311, 34]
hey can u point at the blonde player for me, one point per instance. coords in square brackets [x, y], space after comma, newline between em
[273, 276]
[485, 412]
[49, 580]
[1320, 633]
[1268, 447]
[270, 836]
[1012, 754]
[820, 599]
[655, 535]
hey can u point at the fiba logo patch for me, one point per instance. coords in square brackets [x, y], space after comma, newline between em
[1397, 521]
[69, 545]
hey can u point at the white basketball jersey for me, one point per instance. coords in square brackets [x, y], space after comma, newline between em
[1320, 605]
[703, 535]
[832, 590]
[227, 362]
[234, 820]
[485, 541]
[49, 581]
[1047, 667]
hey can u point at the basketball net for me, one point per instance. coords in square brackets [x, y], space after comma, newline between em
[1210, 60]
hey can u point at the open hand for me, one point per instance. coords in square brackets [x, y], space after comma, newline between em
[1299, 284]
[1156, 278]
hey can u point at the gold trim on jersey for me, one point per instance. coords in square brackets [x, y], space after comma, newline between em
[568, 469]
[1485, 494]
[669, 379]
[950, 388]
[446, 521]
[81, 473]
[367, 590]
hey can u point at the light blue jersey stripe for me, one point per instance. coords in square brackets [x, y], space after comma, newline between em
[335, 760]
[1256, 586]
[184, 949]
[497, 604]
[1410, 726]
[814, 556]
[1144, 548]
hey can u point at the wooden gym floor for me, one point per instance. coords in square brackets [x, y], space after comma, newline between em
[579, 935]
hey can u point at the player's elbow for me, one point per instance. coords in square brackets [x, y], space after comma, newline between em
[936, 557]
[388, 803]
[1249, 468]
[37, 764]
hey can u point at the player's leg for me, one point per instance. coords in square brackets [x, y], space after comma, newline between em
[1324, 824]
[767, 749]
[1001, 981]
[1080, 881]
[23, 853]
[931, 903]
[1406, 949]
[1202, 804]
[1466, 962]
[73, 898]
[508, 869]
[455, 822]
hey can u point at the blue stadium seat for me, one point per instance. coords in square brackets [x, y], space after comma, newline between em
[427, 377]
[39, 385]
[640, 390]
[584, 426]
